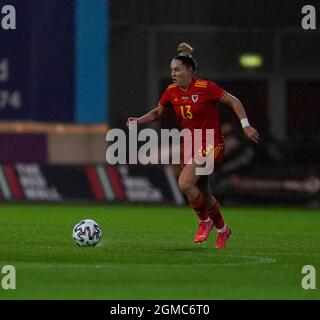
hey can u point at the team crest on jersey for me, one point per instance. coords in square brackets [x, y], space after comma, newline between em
[194, 97]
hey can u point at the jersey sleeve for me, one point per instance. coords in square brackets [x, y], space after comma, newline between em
[165, 99]
[215, 92]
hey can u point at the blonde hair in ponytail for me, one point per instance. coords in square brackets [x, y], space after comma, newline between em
[184, 49]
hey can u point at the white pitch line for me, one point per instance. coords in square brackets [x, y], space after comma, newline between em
[32, 264]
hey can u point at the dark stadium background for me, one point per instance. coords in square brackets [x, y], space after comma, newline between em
[97, 69]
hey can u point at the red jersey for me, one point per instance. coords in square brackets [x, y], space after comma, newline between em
[196, 108]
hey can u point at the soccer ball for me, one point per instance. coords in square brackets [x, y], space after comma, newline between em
[87, 233]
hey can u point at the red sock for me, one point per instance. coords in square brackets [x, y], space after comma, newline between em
[215, 214]
[199, 206]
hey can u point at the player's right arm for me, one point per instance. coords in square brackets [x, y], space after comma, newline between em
[153, 115]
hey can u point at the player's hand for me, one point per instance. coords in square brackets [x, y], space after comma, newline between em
[252, 134]
[131, 122]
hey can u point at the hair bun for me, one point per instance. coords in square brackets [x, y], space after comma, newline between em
[184, 49]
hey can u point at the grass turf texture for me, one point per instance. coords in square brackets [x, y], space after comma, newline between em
[148, 253]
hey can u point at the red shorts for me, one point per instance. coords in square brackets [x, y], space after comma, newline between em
[209, 152]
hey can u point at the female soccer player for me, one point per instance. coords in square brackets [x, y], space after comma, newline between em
[194, 101]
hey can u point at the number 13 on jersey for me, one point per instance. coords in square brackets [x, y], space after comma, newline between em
[186, 112]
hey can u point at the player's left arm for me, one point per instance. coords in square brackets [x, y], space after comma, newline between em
[250, 132]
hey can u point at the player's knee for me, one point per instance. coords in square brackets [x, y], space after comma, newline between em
[185, 185]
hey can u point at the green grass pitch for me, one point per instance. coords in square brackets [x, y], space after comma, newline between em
[148, 253]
